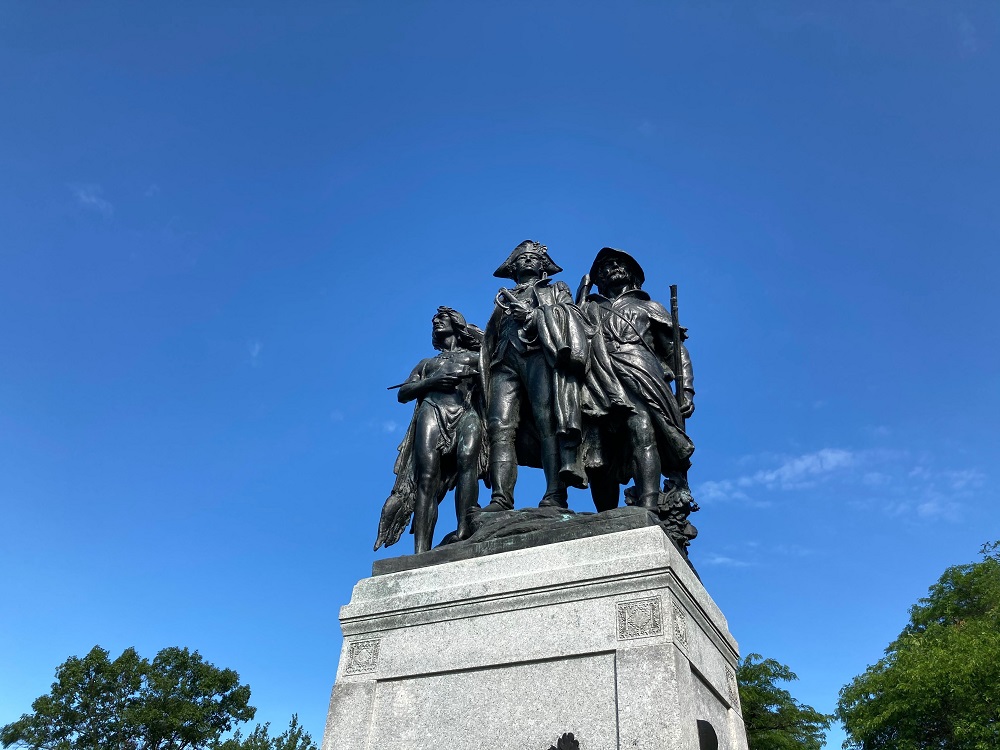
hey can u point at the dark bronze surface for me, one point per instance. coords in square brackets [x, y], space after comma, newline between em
[594, 390]
[510, 530]
[443, 447]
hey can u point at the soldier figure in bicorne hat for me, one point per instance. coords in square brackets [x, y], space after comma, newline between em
[534, 360]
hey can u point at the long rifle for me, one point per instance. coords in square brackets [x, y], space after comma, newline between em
[678, 360]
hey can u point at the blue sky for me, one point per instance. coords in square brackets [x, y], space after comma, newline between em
[224, 229]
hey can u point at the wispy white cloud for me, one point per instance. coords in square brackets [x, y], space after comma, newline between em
[964, 479]
[968, 37]
[390, 425]
[955, 480]
[254, 348]
[793, 550]
[724, 490]
[750, 552]
[876, 479]
[152, 191]
[939, 507]
[91, 197]
[802, 471]
[792, 473]
[931, 504]
[731, 562]
[891, 480]
[790, 18]
[931, 494]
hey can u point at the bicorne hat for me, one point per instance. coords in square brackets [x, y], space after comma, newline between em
[627, 260]
[506, 269]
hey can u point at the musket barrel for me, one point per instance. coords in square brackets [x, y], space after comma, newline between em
[678, 358]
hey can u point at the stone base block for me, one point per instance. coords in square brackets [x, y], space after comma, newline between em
[612, 638]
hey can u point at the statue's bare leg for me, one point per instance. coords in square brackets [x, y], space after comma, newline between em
[470, 444]
[427, 462]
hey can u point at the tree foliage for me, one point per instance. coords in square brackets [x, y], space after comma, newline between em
[177, 701]
[938, 685]
[774, 719]
[293, 738]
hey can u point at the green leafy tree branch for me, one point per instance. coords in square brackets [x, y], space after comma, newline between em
[177, 701]
[775, 720]
[938, 685]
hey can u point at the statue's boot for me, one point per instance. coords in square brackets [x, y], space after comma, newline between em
[650, 501]
[571, 469]
[495, 506]
[465, 529]
[554, 500]
[503, 477]
[647, 481]
[555, 488]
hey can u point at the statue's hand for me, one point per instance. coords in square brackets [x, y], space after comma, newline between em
[459, 371]
[445, 381]
[687, 408]
[584, 289]
[520, 310]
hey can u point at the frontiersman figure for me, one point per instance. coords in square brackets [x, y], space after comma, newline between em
[637, 343]
[534, 359]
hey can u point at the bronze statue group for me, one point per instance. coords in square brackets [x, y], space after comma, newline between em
[593, 390]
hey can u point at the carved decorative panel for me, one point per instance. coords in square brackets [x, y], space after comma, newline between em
[680, 625]
[362, 657]
[641, 618]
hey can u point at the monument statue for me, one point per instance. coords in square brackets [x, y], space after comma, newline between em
[444, 446]
[534, 358]
[641, 345]
[519, 604]
[594, 391]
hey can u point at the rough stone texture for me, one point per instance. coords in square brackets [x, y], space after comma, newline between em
[489, 708]
[611, 637]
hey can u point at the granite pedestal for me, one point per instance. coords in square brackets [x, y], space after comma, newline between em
[610, 637]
